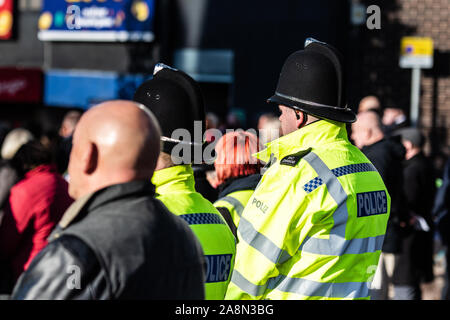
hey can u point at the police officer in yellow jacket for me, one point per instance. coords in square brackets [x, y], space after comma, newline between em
[314, 227]
[176, 101]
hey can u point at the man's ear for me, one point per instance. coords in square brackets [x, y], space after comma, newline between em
[90, 158]
[300, 118]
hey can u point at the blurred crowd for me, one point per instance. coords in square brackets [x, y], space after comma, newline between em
[34, 190]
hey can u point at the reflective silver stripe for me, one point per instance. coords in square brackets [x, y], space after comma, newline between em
[340, 246]
[335, 189]
[316, 182]
[239, 280]
[303, 287]
[337, 245]
[261, 243]
[235, 203]
[312, 288]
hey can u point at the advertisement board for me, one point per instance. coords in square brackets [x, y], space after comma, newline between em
[6, 19]
[97, 20]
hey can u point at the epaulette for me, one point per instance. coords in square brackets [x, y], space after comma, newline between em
[293, 159]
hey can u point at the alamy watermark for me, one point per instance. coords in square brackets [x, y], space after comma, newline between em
[74, 279]
[374, 20]
[189, 149]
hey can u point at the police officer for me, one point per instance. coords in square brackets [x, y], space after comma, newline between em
[314, 227]
[176, 101]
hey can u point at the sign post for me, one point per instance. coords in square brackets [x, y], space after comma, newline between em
[416, 54]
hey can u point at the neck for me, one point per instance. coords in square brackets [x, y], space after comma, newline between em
[376, 136]
[411, 153]
[99, 181]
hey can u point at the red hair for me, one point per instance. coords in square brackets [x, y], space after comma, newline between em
[234, 155]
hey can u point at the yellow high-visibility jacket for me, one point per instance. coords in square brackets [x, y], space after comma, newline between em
[236, 200]
[315, 225]
[175, 187]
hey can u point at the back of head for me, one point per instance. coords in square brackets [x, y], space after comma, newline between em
[413, 135]
[234, 155]
[69, 123]
[13, 141]
[31, 155]
[177, 103]
[369, 103]
[114, 142]
[270, 130]
[367, 129]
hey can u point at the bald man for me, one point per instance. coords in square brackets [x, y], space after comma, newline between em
[386, 154]
[116, 241]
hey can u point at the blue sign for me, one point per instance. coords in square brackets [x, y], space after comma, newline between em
[97, 20]
[84, 89]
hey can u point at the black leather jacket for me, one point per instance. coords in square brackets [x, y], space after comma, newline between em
[119, 243]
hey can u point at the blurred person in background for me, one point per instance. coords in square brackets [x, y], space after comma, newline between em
[262, 120]
[237, 172]
[10, 174]
[211, 122]
[177, 103]
[441, 215]
[393, 119]
[11, 171]
[269, 128]
[414, 264]
[387, 155]
[64, 145]
[234, 120]
[35, 205]
[371, 103]
[116, 241]
[69, 123]
[4, 129]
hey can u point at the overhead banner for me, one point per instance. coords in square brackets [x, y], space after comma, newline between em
[97, 20]
[6, 19]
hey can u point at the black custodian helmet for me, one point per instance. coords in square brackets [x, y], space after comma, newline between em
[176, 101]
[312, 81]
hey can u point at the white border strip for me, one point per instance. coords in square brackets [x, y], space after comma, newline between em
[104, 36]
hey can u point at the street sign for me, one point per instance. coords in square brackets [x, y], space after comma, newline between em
[416, 52]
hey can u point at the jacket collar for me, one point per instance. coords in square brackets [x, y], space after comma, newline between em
[94, 200]
[174, 179]
[318, 133]
[237, 184]
[40, 169]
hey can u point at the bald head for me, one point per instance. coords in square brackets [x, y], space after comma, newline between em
[369, 103]
[367, 129]
[114, 142]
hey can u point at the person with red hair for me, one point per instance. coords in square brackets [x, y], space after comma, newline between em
[238, 173]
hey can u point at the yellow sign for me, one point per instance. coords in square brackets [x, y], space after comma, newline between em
[417, 46]
[416, 52]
